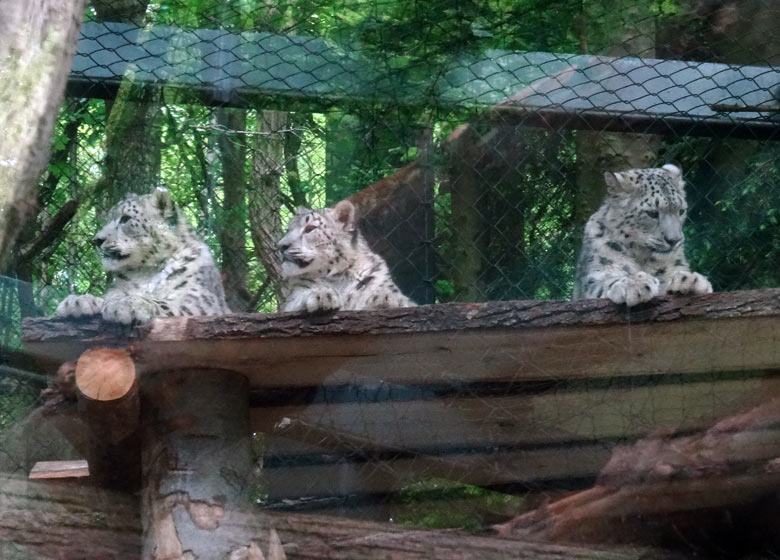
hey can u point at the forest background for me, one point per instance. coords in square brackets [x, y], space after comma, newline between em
[502, 209]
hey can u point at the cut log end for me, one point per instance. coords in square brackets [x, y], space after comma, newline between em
[105, 374]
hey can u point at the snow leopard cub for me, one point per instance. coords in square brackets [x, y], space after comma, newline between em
[633, 247]
[159, 267]
[326, 264]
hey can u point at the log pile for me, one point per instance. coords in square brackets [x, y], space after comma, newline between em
[715, 493]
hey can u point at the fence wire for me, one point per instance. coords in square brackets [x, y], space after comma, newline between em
[490, 123]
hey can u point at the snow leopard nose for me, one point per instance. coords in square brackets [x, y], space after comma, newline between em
[672, 241]
[282, 247]
[98, 241]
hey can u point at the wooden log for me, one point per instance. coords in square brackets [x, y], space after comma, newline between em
[196, 461]
[107, 393]
[494, 341]
[700, 490]
[83, 405]
[37, 44]
[46, 522]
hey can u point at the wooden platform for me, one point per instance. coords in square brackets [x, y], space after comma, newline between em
[511, 394]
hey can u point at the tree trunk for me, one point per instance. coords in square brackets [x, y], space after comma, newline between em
[467, 227]
[37, 43]
[232, 238]
[196, 462]
[132, 145]
[132, 137]
[265, 196]
[292, 147]
[632, 34]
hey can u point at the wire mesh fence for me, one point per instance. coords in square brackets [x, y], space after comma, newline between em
[482, 128]
[246, 112]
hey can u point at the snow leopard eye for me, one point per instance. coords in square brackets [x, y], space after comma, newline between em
[124, 219]
[309, 228]
[652, 213]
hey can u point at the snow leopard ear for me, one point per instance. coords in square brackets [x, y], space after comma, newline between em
[618, 183]
[674, 170]
[345, 214]
[164, 203]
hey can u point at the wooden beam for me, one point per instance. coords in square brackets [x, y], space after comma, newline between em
[557, 415]
[486, 342]
[549, 438]
[59, 469]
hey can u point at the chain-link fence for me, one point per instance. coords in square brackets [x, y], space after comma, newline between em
[483, 128]
[246, 112]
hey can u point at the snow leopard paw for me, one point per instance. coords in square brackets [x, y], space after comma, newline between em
[322, 299]
[79, 306]
[683, 282]
[635, 289]
[130, 309]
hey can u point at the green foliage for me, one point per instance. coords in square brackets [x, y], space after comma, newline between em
[441, 504]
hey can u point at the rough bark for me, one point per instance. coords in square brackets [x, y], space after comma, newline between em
[700, 490]
[467, 225]
[495, 341]
[232, 234]
[132, 139]
[265, 196]
[37, 44]
[48, 521]
[196, 461]
[132, 142]
[43, 521]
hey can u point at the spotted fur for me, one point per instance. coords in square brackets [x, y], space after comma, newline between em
[326, 264]
[159, 267]
[633, 247]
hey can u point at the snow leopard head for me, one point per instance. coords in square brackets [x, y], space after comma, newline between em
[317, 242]
[141, 232]
[648, 206]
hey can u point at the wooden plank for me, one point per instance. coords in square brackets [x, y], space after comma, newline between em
[493, 341]
[378, 447]
[530, 466]
[556, 416]
[59, 469]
